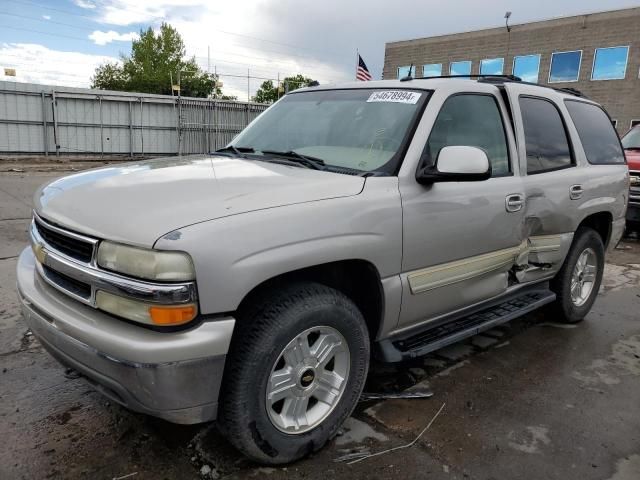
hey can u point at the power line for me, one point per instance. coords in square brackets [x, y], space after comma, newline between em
[160, 17]
[41, 20]
[51, 34]
[37, 19]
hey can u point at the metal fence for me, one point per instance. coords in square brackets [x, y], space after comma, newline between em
[48, 120]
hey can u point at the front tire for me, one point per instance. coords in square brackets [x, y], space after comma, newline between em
[577, 283]
[294, 373]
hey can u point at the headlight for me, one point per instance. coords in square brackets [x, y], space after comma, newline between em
[151, 314]
[143, 263]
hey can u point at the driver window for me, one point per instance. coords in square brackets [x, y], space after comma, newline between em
[474, 121]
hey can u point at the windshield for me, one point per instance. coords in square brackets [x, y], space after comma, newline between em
[632, 139]
[360, 129]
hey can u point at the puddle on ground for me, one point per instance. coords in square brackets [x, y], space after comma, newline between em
[624, 360]
[627, 468]
[357, 431]
[531, 440]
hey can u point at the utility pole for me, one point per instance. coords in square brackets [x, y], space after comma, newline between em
[208, 59]
[248, 94]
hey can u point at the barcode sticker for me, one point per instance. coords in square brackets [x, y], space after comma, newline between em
[394, 96]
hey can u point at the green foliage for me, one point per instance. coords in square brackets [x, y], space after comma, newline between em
[154, 61]
[268, 92]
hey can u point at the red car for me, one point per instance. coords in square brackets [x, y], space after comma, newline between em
[631, 144]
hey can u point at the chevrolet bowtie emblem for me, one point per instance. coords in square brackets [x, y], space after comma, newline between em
[39, 252]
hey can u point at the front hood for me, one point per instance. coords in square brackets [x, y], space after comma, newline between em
[137, 203]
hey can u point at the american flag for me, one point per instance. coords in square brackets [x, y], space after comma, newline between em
[362, 72]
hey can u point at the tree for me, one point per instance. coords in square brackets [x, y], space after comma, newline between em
[154, 61]
[268, 92]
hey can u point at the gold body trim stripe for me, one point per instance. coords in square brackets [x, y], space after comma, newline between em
[460, 270]
[545, 243]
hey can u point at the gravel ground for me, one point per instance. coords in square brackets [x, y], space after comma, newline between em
[532, 399]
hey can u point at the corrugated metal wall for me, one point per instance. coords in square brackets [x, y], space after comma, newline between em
[40, 119]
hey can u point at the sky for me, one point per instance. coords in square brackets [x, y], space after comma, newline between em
[61, 42]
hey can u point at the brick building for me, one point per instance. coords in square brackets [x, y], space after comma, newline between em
[596, 53]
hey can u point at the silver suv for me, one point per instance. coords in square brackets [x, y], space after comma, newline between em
[382, 218]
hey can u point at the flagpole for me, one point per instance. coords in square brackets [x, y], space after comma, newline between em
[357, 63]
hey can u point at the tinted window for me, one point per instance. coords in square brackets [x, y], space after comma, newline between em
[460, 68]
[527, 67]
[473, 121]
[432, 70]
[610, 63]
[491, 66]
[565, 66]
[599, 139]
[545, 136]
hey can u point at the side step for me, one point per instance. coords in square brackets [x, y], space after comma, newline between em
[434, 337]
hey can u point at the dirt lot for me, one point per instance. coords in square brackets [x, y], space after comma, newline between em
[531, 400]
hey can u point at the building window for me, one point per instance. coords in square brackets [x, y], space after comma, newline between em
[405, 71]
[614, 123]
[565, 66]
[546, 141]
[460, 68]
[634, 123]
[610, 63]
[432, 70]
[527, 67]
[599, 140]
[492, 66]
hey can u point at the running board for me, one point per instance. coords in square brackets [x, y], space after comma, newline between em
[434, 337]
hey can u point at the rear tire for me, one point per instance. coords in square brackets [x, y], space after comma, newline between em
[295, 343]
[577, 283]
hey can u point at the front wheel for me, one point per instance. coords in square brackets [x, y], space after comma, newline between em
[577, 283]
[295, 371]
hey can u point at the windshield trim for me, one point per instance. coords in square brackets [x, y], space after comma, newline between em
[396, 161]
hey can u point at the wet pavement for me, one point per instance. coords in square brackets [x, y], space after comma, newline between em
[532, 399]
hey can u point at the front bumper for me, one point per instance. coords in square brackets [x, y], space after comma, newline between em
[175, 376]
[633, 211]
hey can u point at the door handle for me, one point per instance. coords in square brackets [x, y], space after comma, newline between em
[514, 202]
[575, 192]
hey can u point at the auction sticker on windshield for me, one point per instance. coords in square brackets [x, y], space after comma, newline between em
[394, 96]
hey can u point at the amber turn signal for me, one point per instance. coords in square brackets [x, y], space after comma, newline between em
[172, 315]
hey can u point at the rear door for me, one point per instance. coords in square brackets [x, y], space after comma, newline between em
[553, 176]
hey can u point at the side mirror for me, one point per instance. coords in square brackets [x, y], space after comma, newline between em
[457, 164]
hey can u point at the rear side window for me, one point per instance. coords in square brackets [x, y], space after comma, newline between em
[599, 139]
[545, 136]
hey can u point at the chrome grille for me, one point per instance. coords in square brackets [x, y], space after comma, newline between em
[66, 261]
[634, 191]
[70, 285]
[66, 243]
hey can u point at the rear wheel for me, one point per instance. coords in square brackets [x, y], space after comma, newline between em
[294, 373]
[577, 283]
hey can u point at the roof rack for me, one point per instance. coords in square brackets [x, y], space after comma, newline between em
[501, 79]
[484, 77]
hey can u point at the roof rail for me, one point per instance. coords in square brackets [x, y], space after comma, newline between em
[572, 91]
[483, 77]
[501, 79]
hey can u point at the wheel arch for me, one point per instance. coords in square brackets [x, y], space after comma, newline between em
[601, 222]
[357, 279]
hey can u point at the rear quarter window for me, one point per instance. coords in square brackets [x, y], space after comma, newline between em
[597, 135]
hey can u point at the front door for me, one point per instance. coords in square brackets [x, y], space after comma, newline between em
[462, 238]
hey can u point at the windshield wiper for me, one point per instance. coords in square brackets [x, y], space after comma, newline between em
[238, 151]
[311, 162]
